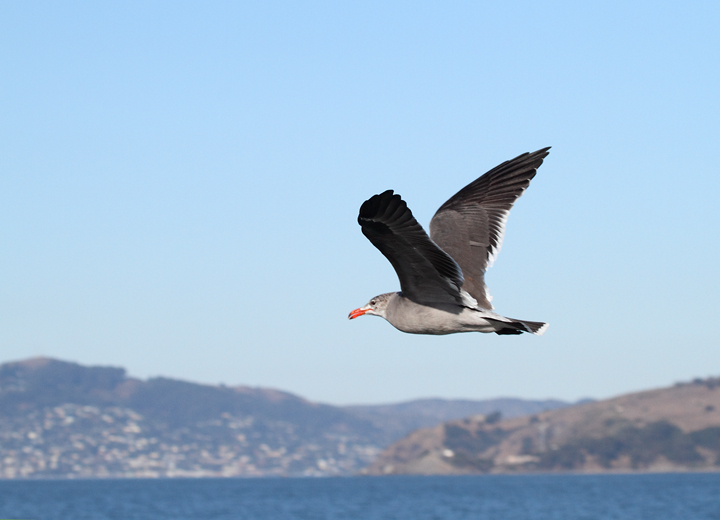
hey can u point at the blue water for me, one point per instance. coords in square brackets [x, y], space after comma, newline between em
[566, 497]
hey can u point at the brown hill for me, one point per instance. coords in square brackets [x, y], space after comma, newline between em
[669, 429]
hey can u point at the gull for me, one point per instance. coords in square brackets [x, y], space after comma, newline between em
[442, 285]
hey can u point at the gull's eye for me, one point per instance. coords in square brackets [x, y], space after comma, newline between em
[373, 302]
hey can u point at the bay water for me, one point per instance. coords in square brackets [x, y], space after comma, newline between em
[679, 496]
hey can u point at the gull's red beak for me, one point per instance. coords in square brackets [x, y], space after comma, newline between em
[357, 312]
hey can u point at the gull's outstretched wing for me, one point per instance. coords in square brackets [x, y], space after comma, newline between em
[470, 226]
[427, 274]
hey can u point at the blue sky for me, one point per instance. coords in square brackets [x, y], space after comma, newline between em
[179, 187]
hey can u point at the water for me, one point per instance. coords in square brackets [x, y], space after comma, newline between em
[566, 497]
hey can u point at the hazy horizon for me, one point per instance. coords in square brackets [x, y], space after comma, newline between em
[260, 387]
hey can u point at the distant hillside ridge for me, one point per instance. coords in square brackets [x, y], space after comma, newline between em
[60, 419]
[403, 418]
[669, 429]
[40, 382]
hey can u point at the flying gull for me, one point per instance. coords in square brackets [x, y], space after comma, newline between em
[442, 286]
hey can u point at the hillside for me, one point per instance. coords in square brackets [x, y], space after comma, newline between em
[401, 419]
[669, 429]
[60, 419]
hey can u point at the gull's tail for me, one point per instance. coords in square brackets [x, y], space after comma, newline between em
[513, 326]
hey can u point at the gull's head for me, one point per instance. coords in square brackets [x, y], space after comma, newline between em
[375, 307]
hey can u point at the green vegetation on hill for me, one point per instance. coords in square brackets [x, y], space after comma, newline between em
[642, 446]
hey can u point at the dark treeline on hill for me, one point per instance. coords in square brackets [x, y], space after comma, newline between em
[60, 419]
[641, 446]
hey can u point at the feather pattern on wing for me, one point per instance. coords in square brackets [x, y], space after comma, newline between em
[427, 273]
[470, 226]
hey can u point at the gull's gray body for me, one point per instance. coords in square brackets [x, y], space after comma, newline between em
[442, 275]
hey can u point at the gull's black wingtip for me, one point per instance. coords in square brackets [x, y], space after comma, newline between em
[534, 159]
[377, 204]
[543, 152]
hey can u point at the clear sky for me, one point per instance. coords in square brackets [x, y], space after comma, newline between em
[180, 182]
